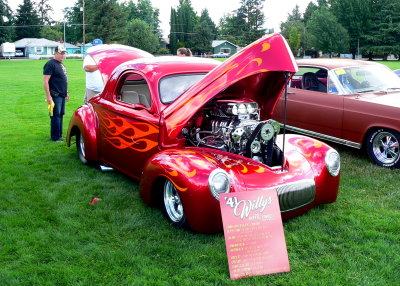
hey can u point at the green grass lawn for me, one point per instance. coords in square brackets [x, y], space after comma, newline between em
[49, 235]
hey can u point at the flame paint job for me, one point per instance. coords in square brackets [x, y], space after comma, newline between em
[122, 134]
[147, 143]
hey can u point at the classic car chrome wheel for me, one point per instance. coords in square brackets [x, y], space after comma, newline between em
[383, 148]
[80, 147]
[173, 208]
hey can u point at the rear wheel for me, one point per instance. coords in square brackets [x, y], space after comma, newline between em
[383, 148]
[172, 205]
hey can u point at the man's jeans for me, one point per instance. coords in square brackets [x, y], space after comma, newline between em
[56, 121]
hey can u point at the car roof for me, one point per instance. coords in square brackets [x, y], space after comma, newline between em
[171, 64]
[155, 68]
[333, 63]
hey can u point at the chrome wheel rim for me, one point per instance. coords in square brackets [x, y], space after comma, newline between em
[82, 145]
[386, 148]
[172, 202]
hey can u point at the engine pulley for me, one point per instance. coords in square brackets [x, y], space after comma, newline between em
[255, 146]
[267, 132]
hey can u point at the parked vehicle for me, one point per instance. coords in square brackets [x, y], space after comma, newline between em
[350, 102]
[7, 50]
[19, 53]
[220, 55]
[192, 129]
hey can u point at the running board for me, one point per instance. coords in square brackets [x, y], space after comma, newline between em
[324, 137]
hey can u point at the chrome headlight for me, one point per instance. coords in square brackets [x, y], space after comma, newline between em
[219, 182]
[332, 162]
[235, 110]
[242, 108]
[252, 107]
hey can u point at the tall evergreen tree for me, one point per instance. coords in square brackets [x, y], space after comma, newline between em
[251, 11]
[6, 31]
[44, 10]
[205, 32]
[74, 29]
[355, 16]
[27, 21]
[173, 32]
[231, 28]
[106, 20]
[186, 21]
[383, 38]
[245, 24]
[327, 34]
[311, 7]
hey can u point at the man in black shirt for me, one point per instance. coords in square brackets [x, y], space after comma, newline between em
[56, 87]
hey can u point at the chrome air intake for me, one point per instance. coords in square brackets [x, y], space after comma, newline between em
[296, 195]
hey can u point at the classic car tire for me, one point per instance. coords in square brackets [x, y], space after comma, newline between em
[172, 205]
[383, 147]
[80, 148]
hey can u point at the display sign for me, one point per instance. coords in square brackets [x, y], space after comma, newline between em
[254, 237]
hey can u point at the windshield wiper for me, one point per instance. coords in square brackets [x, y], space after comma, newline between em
[364, 91]
[393, 88]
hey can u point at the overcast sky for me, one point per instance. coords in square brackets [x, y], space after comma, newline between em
[275, 11]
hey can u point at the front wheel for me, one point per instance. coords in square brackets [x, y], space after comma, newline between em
[383, 148]
[172, 205]
[80, 148]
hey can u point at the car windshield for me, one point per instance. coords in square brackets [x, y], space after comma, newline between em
[362, 79]
[171, 87]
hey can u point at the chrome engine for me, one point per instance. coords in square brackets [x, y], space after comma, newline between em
[234, 126]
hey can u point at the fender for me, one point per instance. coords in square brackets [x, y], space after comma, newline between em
[84, 120]
[188, 169]
[314, 151]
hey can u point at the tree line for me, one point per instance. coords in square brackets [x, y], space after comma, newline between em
[135, 24]
[368, 27]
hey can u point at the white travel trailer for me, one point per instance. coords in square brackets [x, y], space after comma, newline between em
[7, 50]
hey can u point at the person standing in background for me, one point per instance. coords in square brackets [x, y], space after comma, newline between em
[184, 52]
[94, 81]
[55, 85]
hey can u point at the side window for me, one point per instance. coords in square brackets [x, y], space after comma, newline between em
[310, 78]
[332, 87]
[134, 90]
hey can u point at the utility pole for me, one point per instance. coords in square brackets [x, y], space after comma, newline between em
[83, 25]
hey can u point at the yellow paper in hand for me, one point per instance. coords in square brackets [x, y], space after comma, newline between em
[50, 107]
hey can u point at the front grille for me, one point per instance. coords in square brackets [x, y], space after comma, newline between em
[295, 195]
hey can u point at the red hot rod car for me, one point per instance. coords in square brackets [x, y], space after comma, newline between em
[191, 129]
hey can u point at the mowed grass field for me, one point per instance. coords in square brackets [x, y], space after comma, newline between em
[49, 235]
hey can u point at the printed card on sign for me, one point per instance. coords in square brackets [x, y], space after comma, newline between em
[253, 230]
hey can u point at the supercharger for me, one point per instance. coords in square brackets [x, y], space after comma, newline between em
[235, 126]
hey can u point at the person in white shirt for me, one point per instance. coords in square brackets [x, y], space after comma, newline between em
[94, 81]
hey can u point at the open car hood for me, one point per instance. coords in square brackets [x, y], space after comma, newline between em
[256, 72]
[108, 57]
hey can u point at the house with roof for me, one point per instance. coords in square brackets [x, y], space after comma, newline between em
[37, 48]
[224, 47]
